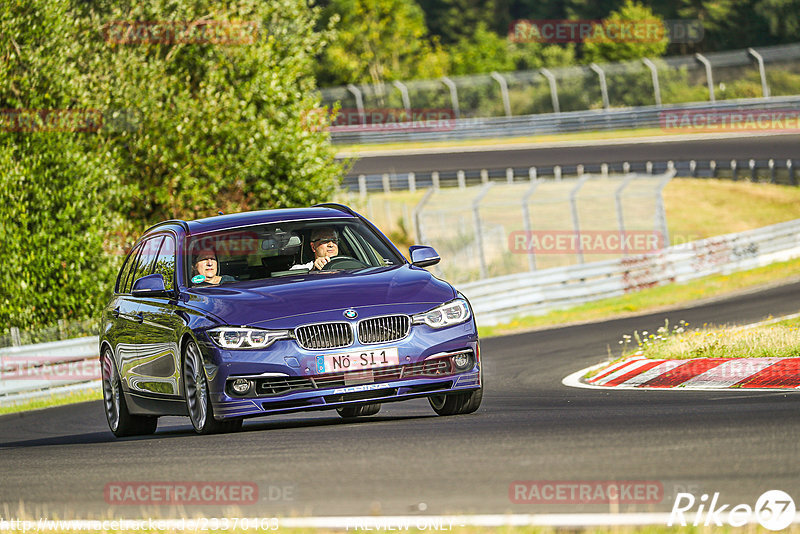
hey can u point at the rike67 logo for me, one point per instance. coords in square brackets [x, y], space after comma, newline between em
[774, 510]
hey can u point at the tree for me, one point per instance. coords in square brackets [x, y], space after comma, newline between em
[633, 32]
[377, 41]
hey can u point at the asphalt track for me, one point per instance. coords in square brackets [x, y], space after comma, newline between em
[663, 149]
[530, 427]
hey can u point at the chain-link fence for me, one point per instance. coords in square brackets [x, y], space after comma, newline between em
[751, 73]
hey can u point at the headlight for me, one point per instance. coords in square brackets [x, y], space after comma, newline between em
[229, 337]
[453, 312]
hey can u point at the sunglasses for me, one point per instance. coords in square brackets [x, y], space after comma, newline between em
[326, 240]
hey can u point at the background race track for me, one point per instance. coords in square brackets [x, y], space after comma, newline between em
[530, 427]
[663, 149]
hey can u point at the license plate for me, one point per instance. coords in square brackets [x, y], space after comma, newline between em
[357, 361]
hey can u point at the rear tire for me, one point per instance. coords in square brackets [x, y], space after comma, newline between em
[121, 422]
[456, 403]
[196, 394]
[362, 410]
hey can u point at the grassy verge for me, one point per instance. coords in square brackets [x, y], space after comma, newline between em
[56, 400]
[777, 340]
[652, 299]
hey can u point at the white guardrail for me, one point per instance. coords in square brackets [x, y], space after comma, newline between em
[500, 299]
[31, 371]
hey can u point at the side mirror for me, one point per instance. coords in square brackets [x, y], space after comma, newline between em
[151, 285]
[422, 256]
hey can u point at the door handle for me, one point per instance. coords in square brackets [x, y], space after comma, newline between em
[115, 312]
[139, 318]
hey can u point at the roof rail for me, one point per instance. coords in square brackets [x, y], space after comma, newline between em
[335, 206]
[184, 224]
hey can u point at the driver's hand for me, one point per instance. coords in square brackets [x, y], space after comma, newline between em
[320, 262]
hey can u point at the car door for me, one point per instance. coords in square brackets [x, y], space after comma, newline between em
[121, 322]
[159, 355]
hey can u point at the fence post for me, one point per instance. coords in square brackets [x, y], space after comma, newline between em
[790, 168]
[603, 86]
[435, 179]
[709, 78]
[733, 169]
[453, 95]
[654, 74]
[557, 172]
[753, 172]
[649, 167]
[604, 170]
[62, 329]
[579, 170]
[573, 202]
[359, 102]
[661, 212]
[503, 91]
[484, 176]
[771, 164]
[626, 167]
[620, 215]
[526, 221]
[761, 71]
[478, 230]
[412, 182]
[406, 100]
[510, 175]
[551, 80]
[15, 339]
[532, 174]
[712, 165]
[462, 180]
[386, 185]
[693, 168]
[418, 215]
[362, 186]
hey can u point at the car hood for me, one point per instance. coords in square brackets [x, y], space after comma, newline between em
[289, 301]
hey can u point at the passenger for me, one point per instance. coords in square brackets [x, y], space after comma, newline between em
[325, 245]
[205, 269]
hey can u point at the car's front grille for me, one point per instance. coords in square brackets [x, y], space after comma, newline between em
[324, 336]
[383, 329]
[277, 385]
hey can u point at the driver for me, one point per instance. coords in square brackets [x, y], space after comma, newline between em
[325, 245]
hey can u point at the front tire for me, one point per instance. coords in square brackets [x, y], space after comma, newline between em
[120, 420]
[363, 410]
[198, 399]
[456, 403]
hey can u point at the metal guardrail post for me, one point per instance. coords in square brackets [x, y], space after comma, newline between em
[709, 78]
[790, 168]
[604, 170]
[404, 96]
[603, 86]
[451, 85]
[462, 181]
[626, 167]
[557, 173]
[753, 171]
[533, 174]
[412, 182]
[734, 166]
[712, 167]
[771, 165]
[526, 221]
[418, 214]
[693, 168]
[761, 71]
[576, 226]
[435, 179]
[478, 230]
[551, 80]
[510, 175]
[387, 188]
[503, 91]
[484, 176]
[649, 167]
[618, 202]
[579, 170]
[359, 102]
[654, 75]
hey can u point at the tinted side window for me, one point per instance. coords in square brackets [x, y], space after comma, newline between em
[130, 261]
[147, 258]
[165, 262]
[126, 281]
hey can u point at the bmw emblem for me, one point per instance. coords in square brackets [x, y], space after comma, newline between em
[351, 313]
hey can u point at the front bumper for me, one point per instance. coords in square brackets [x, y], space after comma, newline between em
[283, 378]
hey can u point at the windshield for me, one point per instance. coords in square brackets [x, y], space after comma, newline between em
[285, 249]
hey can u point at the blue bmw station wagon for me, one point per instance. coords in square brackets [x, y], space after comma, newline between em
[280, 311]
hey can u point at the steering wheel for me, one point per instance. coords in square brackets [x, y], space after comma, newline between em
[343, 262]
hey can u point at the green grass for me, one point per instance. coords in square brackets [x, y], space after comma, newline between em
[56, 400]
[529, 139]
[652, 299]
[776, 340]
